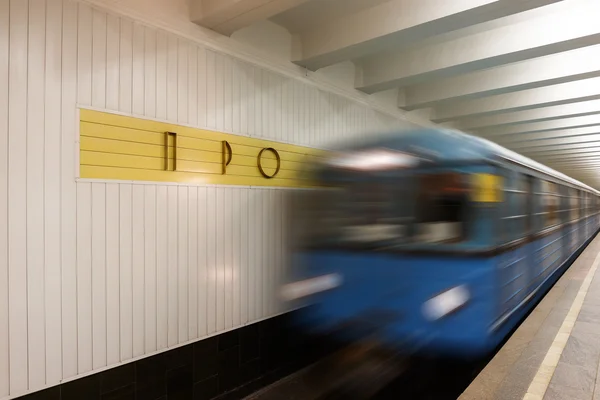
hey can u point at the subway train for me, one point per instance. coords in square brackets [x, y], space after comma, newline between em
[432, 241]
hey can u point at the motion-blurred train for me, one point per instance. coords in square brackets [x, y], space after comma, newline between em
[433, 240]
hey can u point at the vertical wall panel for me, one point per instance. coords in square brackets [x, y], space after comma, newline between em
[192, 86]
[227, 264]
[138, 66]
[252, 275]
[52, 195]
[278, 231]
[235, 97]
[227, 94]
[182, 262]
[113, 33]
[150, 251]
[137, 257]
[285, 108]
[84, 277]
[84, 54]
[278, 106]
[257, 90]
[172, 87]
[250, 98]
[99, 274]
[263, 89]
[4, 293]
[219, 262]
[161, 75]
[316, 115]
[258, 266]
[172, 296]
[182, 81]
[202, 262]
[150, 72]
[269, 245]
[219, 92]
[125, 271]
[125, 65]
[244, 258]
[299, 112]
[113, 275]
[236, 224]
[35, 192]
[192, 247]
[162, 278]
[68, 191]
[242, 69]
[211, 268]
[211, 89]
[99, 61]
[202, 81]
[17, 195]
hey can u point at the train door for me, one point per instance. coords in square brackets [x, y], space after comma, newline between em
[565, 215]
[575, 219]
[529, 227]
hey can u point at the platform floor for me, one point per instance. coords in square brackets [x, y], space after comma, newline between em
[555, 353]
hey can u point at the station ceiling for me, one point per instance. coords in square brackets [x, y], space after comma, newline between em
[523, 73]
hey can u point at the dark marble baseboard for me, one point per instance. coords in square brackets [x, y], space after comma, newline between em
[228, 366]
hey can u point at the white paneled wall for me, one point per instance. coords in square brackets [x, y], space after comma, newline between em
[93, 274]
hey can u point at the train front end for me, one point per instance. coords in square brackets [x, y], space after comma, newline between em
[396, 248]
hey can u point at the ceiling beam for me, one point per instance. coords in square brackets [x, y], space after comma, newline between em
[228, 16]
[554, 69]
[544, 126]
[530, 99]
[561, 152]
[528, 38]
[532, 150]
[396, 24]
[534, 136]
[570, 157]
[563, 141]
[580, 109]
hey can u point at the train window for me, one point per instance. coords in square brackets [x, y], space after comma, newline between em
[515, 219]
[442, 205]
[574, 196]
[375, 211]
[550, 201]
[564, 204]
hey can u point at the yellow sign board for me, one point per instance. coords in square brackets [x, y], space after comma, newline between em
[487, 188]
[126, 148]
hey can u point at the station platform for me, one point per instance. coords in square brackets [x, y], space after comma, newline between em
[555, 352]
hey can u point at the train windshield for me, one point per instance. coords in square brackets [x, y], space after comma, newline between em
[379, 211]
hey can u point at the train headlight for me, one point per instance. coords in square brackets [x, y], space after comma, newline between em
[297, 290]
[446, 302]
[376, 159]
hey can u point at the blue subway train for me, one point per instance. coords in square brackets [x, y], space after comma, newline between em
[432, 240]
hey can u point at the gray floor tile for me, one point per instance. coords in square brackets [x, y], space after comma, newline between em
[573, 376]
[589, 314]
[517, 381]
[555, 392]
[582, 349]
[589, 327]
[566, 393]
